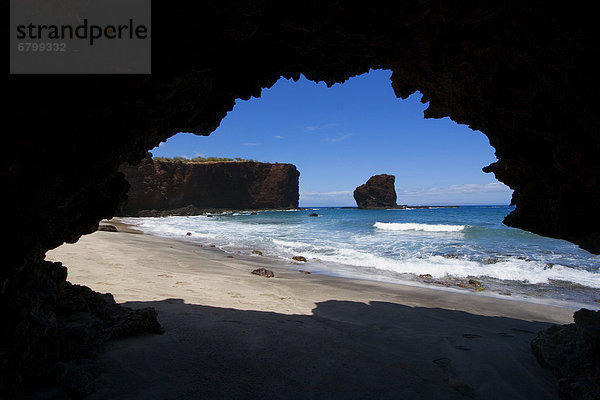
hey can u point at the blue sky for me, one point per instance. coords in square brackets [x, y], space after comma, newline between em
[340, 136]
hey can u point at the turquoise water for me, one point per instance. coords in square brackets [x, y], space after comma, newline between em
[452, 245]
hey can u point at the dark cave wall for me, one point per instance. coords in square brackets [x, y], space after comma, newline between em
[522, 73]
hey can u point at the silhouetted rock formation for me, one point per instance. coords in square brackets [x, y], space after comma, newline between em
[519, 72]
[378, 192]
[573, 353]
[82, 320]
[171, 185]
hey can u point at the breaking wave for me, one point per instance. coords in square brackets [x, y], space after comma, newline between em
[395, 226]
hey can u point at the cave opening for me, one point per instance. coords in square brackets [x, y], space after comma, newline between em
[338, 137]
[334, 136]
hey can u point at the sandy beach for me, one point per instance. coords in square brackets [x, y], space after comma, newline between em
[231, 334]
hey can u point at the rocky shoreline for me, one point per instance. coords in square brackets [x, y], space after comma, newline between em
[192, 210]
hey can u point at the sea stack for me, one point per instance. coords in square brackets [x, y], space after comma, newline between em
[378, 192]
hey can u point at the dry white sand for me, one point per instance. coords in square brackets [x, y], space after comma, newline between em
[231, 334]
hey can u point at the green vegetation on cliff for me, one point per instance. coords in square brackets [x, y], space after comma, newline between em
[201, 159]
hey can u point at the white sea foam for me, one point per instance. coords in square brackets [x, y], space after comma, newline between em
[511, 269]
[396, 226]
[440, 267]
[361, 254]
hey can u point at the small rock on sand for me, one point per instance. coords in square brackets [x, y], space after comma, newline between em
[425, 276]
[107, 228]
[267, 273]
[257, 252]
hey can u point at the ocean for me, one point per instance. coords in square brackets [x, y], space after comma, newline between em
[465, 248]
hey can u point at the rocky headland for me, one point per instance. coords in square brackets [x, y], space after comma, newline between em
[160, 187]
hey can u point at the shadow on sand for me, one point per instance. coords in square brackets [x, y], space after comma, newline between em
[345, 350]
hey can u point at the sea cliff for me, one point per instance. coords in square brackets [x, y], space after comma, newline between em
[163, 187]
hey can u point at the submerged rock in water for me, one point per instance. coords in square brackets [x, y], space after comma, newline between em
[299, 258]
[475, 283]
[267, 273]
[425, 276]
[450, 256]
[572, 352]
[314, 215]
[490, 260]
[257, 252]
